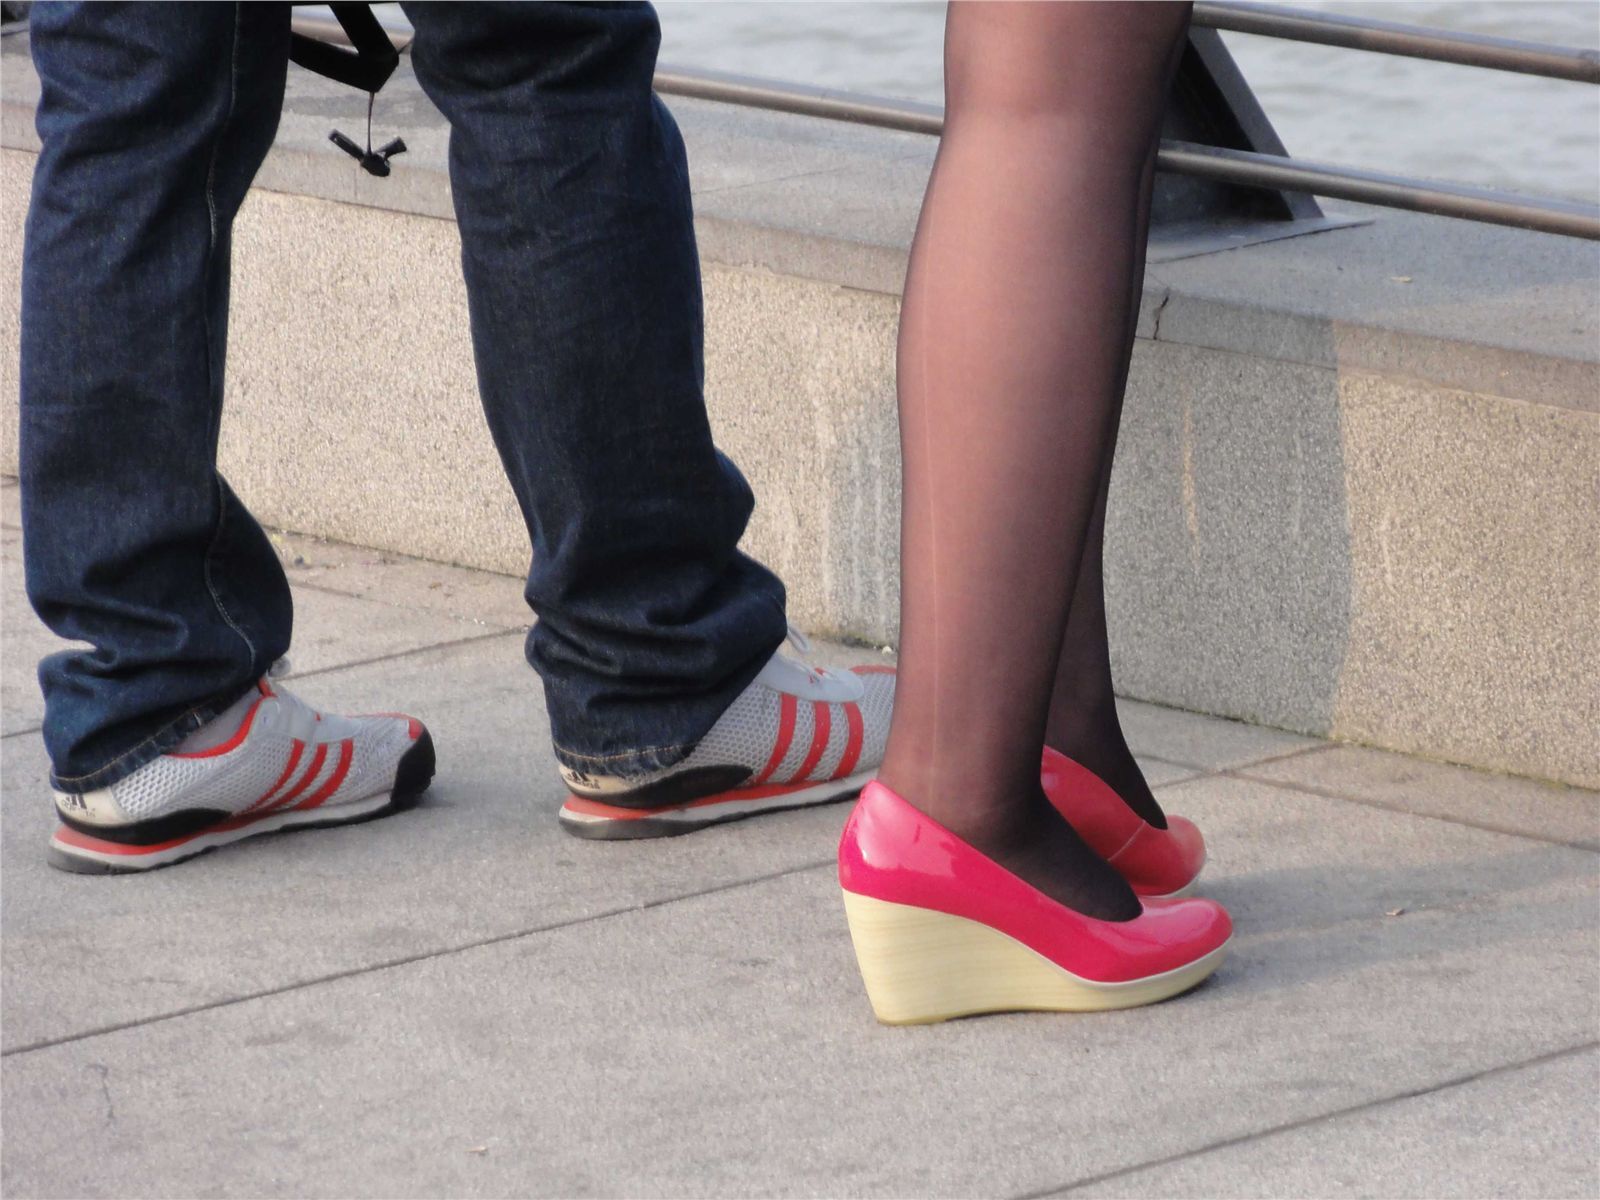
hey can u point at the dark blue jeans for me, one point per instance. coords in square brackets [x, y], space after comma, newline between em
[572, 195]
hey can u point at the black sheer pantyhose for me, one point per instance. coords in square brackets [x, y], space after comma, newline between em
[1019, 307]
[1083, 722]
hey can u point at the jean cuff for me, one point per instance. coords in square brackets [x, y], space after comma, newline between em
[146, 751]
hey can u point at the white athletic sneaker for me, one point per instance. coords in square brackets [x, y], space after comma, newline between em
[797, 736]
[287, 767]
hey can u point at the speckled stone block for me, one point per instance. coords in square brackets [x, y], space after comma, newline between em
[1350, 500]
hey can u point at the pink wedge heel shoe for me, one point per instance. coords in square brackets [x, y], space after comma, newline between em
[1156, 862]
[941, 931]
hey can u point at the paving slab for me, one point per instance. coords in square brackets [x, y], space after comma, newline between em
[1198, 741]
[403, 583]
[463, 1001]
[481, 858]
[721, 1045]
[1531, 1132]
[1506, 802]
[1160, 773]
[1265, 843]
[23, 642]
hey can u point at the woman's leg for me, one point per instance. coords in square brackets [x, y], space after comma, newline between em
[1012, 357]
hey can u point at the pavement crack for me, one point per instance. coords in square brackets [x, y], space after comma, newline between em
[104, 1071]
[390, 657]
[1199, 769]
[326, 590]
[1298, 752]
[1161, 307]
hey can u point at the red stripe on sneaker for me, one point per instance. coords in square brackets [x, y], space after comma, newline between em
[347, 751]
[232, 743]
[82, 841]
[303, 783]
[295, 751]
[822, 720]
[872, 669]
[788, 710]
[852, 747]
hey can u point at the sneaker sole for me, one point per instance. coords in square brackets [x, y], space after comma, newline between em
[597, 821]
[83, 854]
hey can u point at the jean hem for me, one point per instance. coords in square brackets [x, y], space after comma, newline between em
[147, 750]
[658, 758]
[627, 762]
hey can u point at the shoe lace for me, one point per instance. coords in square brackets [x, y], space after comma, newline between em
[277, 671]
[802, 647]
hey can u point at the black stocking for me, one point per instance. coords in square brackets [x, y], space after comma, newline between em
[1013, 351]
[1083, 721]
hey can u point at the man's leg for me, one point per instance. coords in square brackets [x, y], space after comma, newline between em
[572, 193]
[154, 118]
[578, 247]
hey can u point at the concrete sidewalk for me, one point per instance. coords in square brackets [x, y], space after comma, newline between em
[463, 1001]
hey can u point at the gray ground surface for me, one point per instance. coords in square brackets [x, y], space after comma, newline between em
[463, 1001]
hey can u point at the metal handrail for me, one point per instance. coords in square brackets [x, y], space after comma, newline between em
[1404, 41]
[1244, 168]
[831, 104]
[1486, 205]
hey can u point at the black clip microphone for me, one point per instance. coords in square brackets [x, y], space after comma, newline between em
[373, 162]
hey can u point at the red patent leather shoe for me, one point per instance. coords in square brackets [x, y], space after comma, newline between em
[941, 931]
[1156, 862]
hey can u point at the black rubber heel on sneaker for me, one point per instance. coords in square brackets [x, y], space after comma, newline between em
[412, 774]
[71, 863]
[674, 790]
